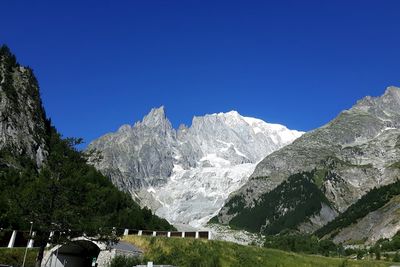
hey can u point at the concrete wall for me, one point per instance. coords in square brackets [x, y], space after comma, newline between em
[65, 261]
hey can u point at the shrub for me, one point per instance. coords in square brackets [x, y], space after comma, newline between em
[124, 261]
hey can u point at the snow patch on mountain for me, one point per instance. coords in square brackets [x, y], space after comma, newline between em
[186, 175]
[194, 196]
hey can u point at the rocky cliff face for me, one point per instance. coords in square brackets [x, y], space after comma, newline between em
[138, 156]
[381, 223]
[22, 117]
[185, 175]
[344, 159]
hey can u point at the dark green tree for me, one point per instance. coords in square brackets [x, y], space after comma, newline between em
[396, 257]
[70, 197]
[65, 194]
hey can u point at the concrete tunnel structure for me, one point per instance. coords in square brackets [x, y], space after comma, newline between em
[82, 252]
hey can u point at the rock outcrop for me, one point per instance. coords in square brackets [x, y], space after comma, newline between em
[22, 117]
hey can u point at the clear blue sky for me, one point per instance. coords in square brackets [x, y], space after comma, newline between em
[102, 64]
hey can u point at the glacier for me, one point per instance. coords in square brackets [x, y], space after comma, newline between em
[186, 175]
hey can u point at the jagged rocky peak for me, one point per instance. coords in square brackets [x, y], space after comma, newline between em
[158, 124]
[155, 118]
[191, 170]
[391, 96]
[125, 128]
[231, 118]
[22, 117]
[368, 118]
[389, 103]
[386, 105]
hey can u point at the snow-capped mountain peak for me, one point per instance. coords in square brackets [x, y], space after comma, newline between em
[186, 175]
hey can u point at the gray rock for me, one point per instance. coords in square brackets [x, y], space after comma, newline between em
[138, 156]
[356, 147]
[185, 175]
[382, 223]
[22, 117]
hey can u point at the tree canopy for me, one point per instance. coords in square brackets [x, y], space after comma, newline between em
[66, 195]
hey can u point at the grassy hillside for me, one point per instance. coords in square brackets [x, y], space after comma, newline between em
[191, 252]
[15, 256]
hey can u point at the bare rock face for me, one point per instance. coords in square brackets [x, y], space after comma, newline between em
[185, 175]
[381, 223]
[351, 155]
[22, 117]
[141, 155]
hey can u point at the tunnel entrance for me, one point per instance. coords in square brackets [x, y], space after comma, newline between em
[80, 253]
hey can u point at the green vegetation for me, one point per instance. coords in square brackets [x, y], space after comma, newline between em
[66, 194]
[285, 207]
[396, 257]
[395, 165]
[10, 62]
[123, 261]
[300, 243]
[319, 176]
[192, 252]
[236, 204]
[373, 200]
[385, 245]
[333, 162]
[15, 256]
[310, 244]
[214, 219]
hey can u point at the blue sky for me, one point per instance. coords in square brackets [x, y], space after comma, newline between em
[101, 64]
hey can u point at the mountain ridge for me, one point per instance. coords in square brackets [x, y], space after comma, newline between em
[152, 160]
[348, 156]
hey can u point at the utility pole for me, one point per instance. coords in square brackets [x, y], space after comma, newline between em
[26, 249]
